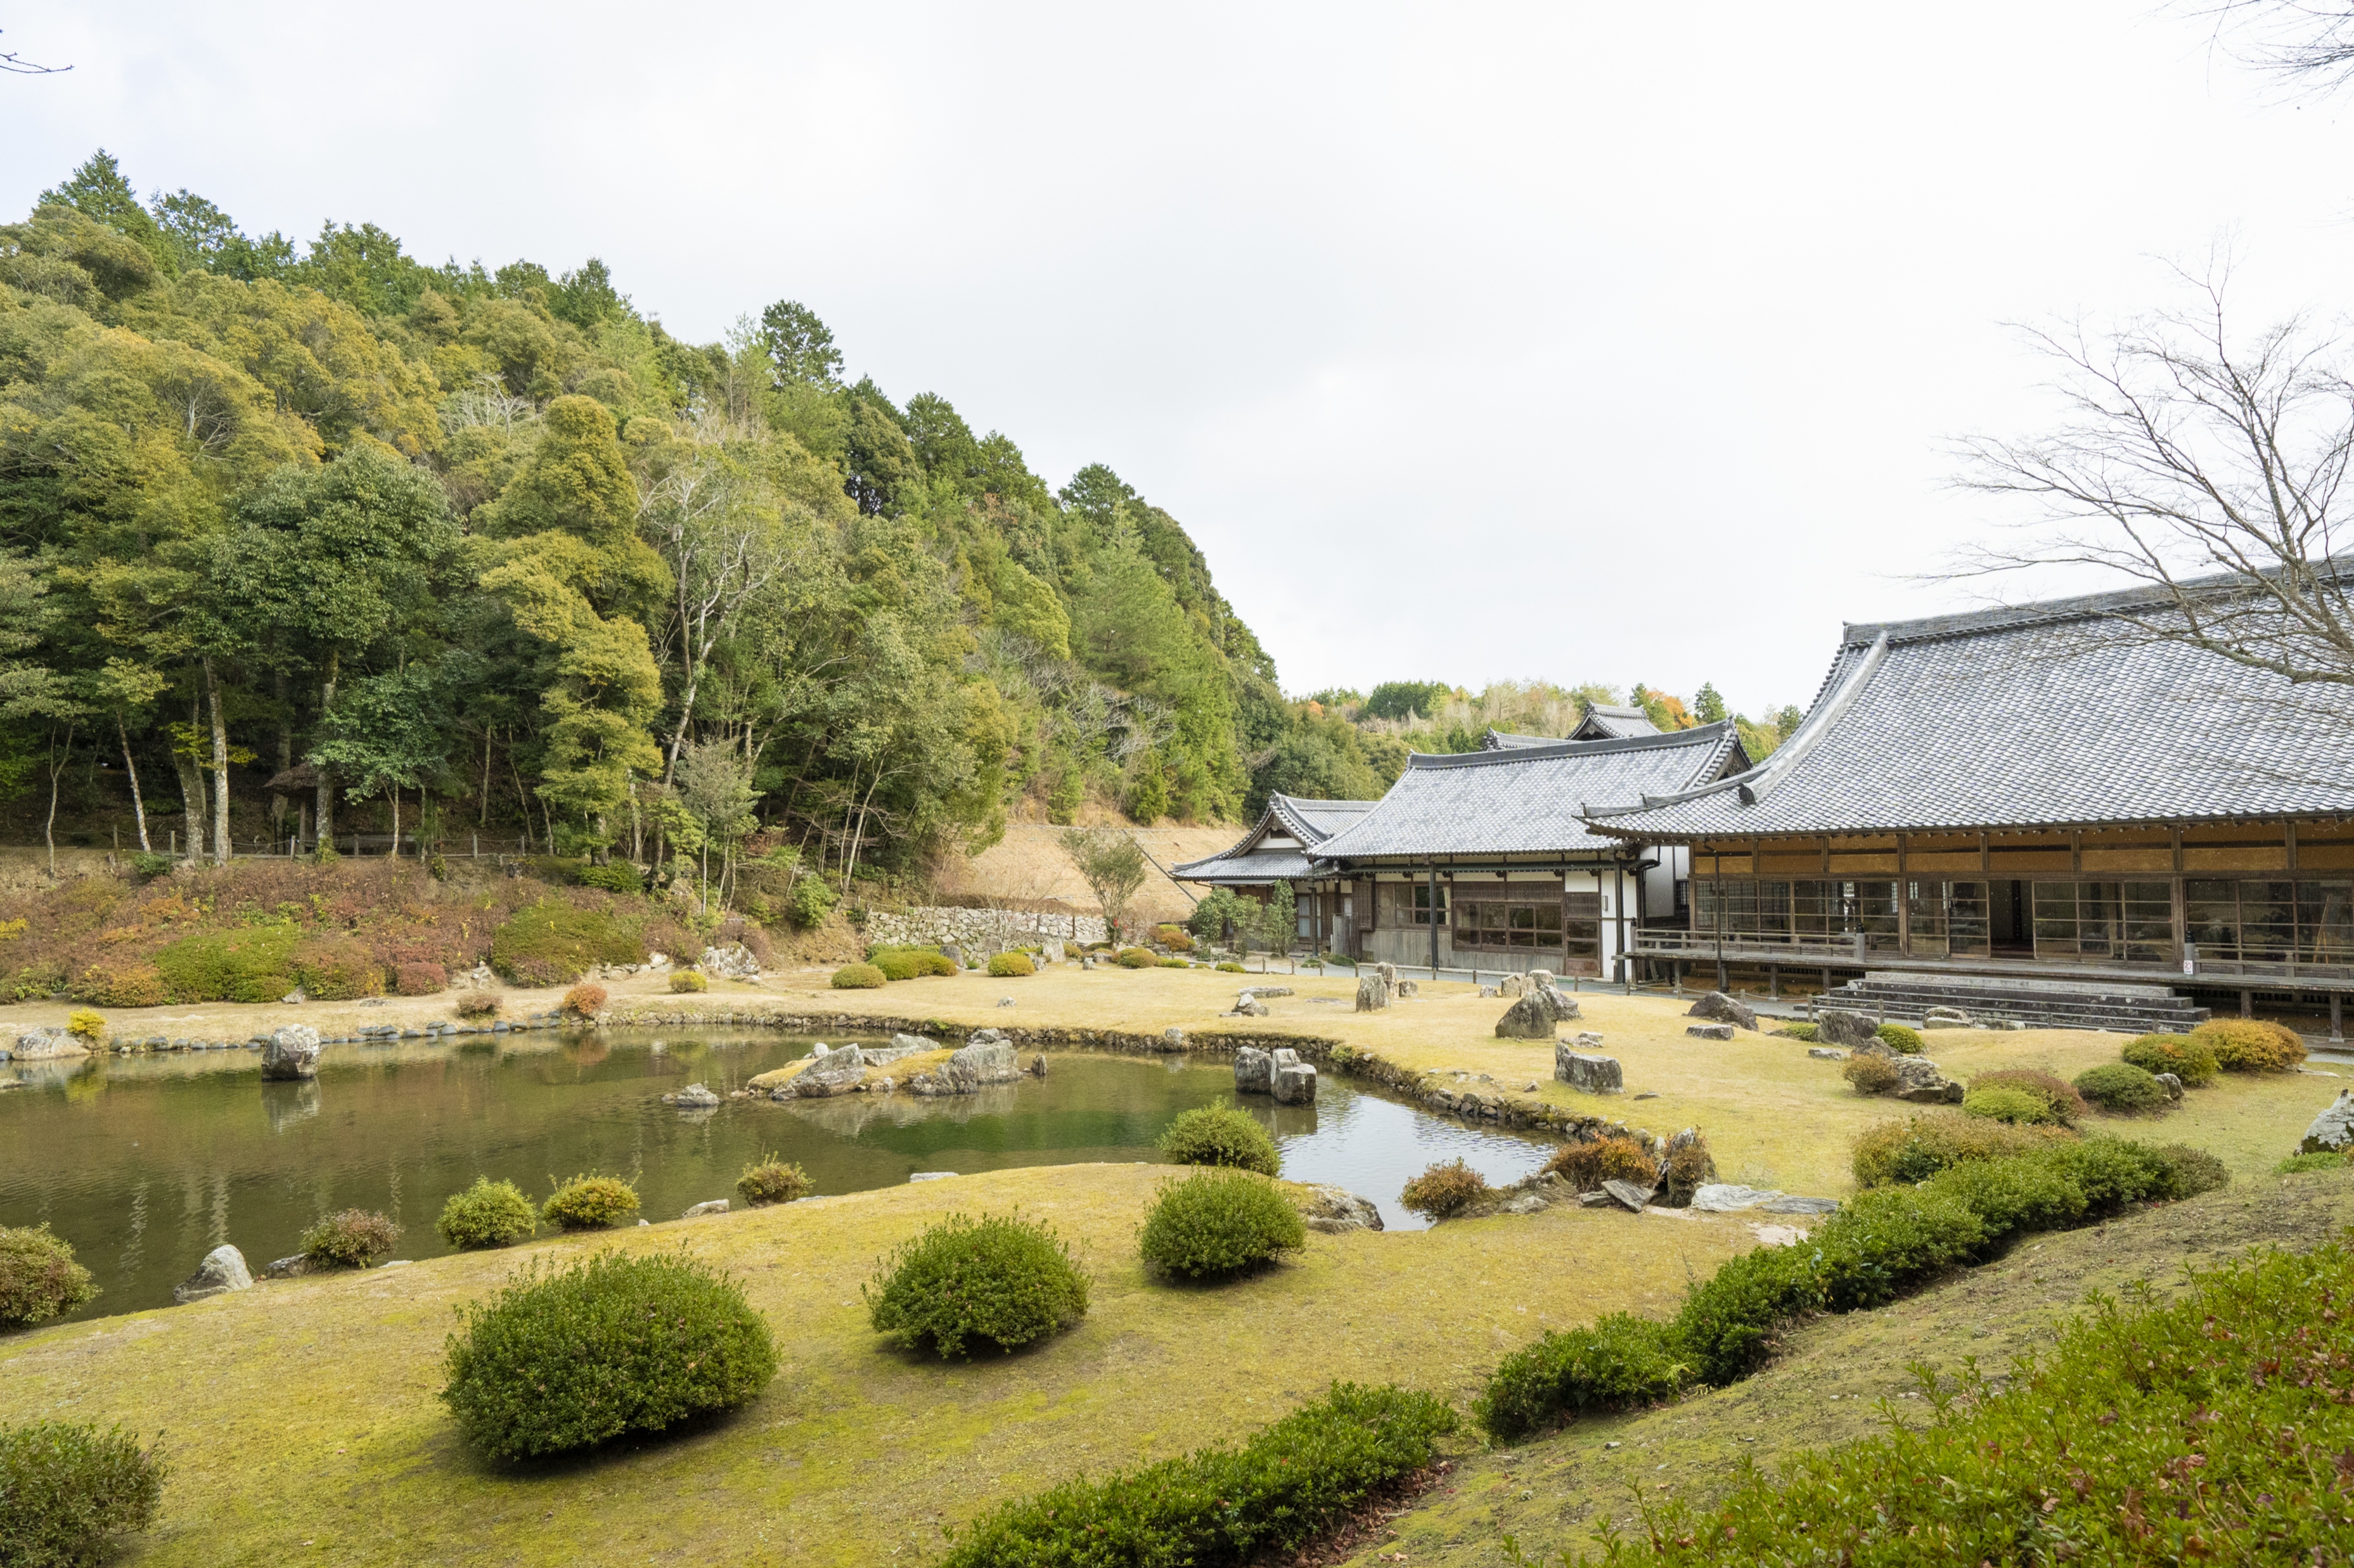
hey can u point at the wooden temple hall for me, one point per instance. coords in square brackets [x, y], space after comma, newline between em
[2045, 812]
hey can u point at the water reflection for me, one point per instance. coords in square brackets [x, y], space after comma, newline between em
[96, 1146]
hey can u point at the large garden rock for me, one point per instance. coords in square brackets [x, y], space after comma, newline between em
[1628, 1196]
[1267, 990]
[1333, 1209]
[1710, 1030]
[987, 1058]
[1253, 1071]
[1247, 1006]
[1718, 1008]
[2332, 1131]
[704, 1211]
[1727, 1198]
[695, 1096]
[2173, 1083]
[1593, 1074]
[1294, 1082]
[222, 1271]
[1512, 986]
[46, 1042]
[1371, 994]
[293, 1053]
[835, 1072]
[733, 961]
[1920, 1081]
[1541, 1010]
[1840, 1026]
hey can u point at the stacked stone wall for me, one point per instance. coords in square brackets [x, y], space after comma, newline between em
[981, 930]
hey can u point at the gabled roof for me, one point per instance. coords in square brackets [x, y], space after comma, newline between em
[1249, 864]
[1497, 740]
[1530, 799]
[1604, 721]
[2046, 716]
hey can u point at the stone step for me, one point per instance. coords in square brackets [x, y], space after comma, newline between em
[2140, 1009]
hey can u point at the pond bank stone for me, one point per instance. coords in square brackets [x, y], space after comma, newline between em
[46, 1042]
[1628, 1195]
[1595, 1075]
[293, 1053]
[222, 1271]
[695, 1096]
[1333, 1209]
[2332, 1131]
[716, 1206]
[1293, 1082]
[1253, 1071]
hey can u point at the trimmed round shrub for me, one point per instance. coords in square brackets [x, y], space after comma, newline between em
[2251, 1044]
[2005, 1104]
[584, 1000]
[1220, 1134]
[857, 977]
[420, 979]
[132, 984]
[2061, 1104]
[336, 969]
[488, 1213]
[1005, 1279]
[897, 966]
[349, 1239]
[68, 1490]
[1231, 967]
[770, 1180]
[2195, 1170]
[555, 943]
[478, 1004]
[1870, 1073]
[1919, 1147]
[1009, 965]
[590, 1203]
[566, 1358]
[1615, 1157]
[1443, 1190]
[932, 963]
[688, 980]
[38, 1278]
[2186, 1056]
[1218, 1224]
[2304, 1164]
[1174, 937]
[1137, 959]
[2121, 1088]
[85, 1023]
[1897, 1037]
[1172, 963]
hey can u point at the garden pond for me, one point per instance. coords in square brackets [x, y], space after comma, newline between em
[146, 1162]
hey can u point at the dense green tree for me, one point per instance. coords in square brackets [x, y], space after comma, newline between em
[1403, 699]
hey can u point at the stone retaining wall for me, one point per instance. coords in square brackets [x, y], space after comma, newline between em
[980, 931]
[1430, 1087]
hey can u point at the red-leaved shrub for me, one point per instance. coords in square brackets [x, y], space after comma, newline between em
[584, 1000]
[420, 979]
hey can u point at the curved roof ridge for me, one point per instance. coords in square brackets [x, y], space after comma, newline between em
[2077, 607]
[1701, 735]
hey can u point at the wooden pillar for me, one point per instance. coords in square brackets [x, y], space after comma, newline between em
[1433, 922]
[1773, 979]
[2337, 1028]
[2247, 1004]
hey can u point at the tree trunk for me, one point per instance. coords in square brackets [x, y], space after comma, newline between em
[325, 810]
[131, 769]
[482, 819]
[58, 760]
[285, 750]
[192, 795]
[220, 768]
[396, 821]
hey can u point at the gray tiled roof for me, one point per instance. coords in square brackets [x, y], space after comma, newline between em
[1310, 821]
[1604, 721]
[1527, 799]
[2053, 714]
[1498, 740]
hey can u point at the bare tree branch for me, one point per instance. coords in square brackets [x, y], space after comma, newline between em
[16, 65]
[2308, 44]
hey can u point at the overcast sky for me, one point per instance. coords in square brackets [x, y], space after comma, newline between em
[1469, 341]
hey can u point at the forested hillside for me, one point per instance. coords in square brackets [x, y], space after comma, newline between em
[495, 549]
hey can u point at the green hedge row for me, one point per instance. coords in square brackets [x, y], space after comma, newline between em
[1220, 1505]
[1884, 1245]
[2213, 1430]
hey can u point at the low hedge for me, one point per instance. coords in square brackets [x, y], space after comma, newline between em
[2063, 1105]
[349, 1239]
[1220, 1134]
[1884, 1244]
[1000, 1278]
[1219, 1222]
[2005, 1105]
[2205, 1447]
[552, 942]
[1137, 959]
[568, 1356]
[38, 1278]
[1920, 1145]
[128, 983]
[68, 1490]
[1287, 1484]
[590, 1203]
[488, 1213]
[897, 966]
[2251, 1044]
[2186, 1056]
[2121, 1089]
[1011, 966]
[858, 977]
[251, 963]
[1443, 1189]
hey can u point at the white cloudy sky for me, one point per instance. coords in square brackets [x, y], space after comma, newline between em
[1469, 341]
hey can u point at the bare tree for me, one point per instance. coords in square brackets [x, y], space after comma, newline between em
[2203, 468]
[1111, 864]
[17, 65]
[2308, 43]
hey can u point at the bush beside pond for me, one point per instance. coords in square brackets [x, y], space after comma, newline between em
[770, 1180]
[1587, 1163]
[1217, 1222]
[553, 942]
[1443, 1190]
[1003, 1279]
[590, 1203]
[686, 982]
[488, 1213]
[1220, 1134]
[349, 1239]
[858, 977]
[68, 1490]
[38, 1278]
[567, 1357]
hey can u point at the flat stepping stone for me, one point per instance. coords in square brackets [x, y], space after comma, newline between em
[1786, 1205]
[1629, 1197]
[1725, 1198]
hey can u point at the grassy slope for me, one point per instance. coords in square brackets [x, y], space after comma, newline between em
[1829, 1384]
[303, 1415]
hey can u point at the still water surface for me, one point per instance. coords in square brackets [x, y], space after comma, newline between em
[147, 1162]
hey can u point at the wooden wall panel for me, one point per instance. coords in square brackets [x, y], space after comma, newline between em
[2240, 858]
[1942, 861]
[2160, 860]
